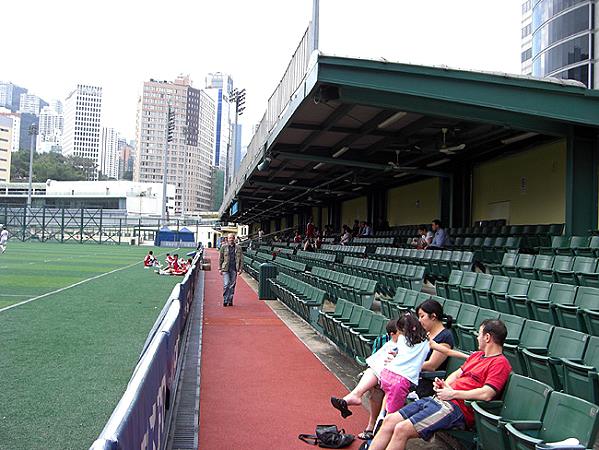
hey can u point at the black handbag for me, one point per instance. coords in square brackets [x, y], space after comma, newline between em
[328, 436]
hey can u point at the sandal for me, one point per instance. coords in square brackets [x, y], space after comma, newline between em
[341, 405]
[366, 435]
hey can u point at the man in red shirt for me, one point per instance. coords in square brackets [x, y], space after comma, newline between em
[310, 229]
[150, 260]
[482, 377]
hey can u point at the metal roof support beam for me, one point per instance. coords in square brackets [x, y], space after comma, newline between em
[354, 163]
[270, 184]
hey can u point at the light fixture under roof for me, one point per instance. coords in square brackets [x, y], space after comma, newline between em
[357, 188]
[340, 152]
[318, 166]
[438, 163]
[518, 138]
[391, 120]
[399, 175]
[292, 182]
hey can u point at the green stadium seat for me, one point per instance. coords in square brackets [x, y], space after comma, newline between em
[487, 249]
[498, 289]
[576, 242]
[543, 267]
[342, 325]
[467, 284]
[482, 285]
[490, 417]
[592, 250]
[559, 294]
[535, 335]
[518, 287]
[468, 335]
[571, 315]
[365, 340]
[465, 321]
[544, 364]
[442, 287]
[525, 266]
[589, 276]
[537, 290]
[350, 330]
[409, 303]
[561, 243]
[508, 266]
[514, 325]
[452, 308]
[565, 417]
[581, 264]
[581, 377]
[326, 318]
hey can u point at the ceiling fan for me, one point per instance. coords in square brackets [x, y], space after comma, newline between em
[449, 150]
[354, 181]
[395, 164]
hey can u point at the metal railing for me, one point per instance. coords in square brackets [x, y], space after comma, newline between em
[278, 102]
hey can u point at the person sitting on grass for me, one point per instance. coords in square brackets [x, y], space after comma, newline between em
[173, 268]
[168, 260]
[183, 268]
[396, 367]
[150, 260]
[482, 377]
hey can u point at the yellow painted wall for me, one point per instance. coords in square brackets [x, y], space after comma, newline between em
[272, 226]
[315, 216]
[295, 220]
[414, 203]
[531, 185]
[325, 217]
[352, 210]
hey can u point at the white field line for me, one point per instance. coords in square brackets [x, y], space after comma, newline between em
[47, 294]
[15, 295]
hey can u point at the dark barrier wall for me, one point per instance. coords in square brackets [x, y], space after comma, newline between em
[140, 418]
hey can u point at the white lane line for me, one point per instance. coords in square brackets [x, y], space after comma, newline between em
[15, 295]
[68, 287]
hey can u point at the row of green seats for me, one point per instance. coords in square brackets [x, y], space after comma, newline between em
[580, 270]
[302, 298]
[353, 328]
[372, 240]
[388, 275]
[564, 305]
[572, 246]
[252, 267]
[489, 249]
[437, 263]
[341, 250]
[312, 259]
[531, 415]
[342, 285]
[283, 250]
[289, 266]
[564, 359]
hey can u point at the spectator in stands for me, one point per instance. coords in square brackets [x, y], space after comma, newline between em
[430, 314]
[327, 231]
[150, 260]
[308, 245]
[396, 367]
[482, 377]
[230, 264]
[298, 237]
[310, 229]
[440, 238]
[356, 229]
[260, 234]
[366, 229]
[346, 236]
[318, 242]
[424, 238]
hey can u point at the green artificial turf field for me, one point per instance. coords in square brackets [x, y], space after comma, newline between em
[66, 358]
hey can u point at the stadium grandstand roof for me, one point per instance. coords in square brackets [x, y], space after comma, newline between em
[357, 125]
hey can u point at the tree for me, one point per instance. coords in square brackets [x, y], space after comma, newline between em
[47, 166]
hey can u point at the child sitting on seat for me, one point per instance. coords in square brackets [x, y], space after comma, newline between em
[396, 367]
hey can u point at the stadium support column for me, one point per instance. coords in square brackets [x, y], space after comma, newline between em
[445, 191]
[581, 182]
[460, 197]
[376, 203]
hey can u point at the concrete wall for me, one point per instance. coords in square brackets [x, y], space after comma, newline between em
[526, 188]
[352, 210]
[414, 203]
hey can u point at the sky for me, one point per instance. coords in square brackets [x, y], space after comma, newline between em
[50, 47]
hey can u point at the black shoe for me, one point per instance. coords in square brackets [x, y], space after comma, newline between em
[225, 304]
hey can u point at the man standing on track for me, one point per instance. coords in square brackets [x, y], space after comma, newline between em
[3, 239]
[230, 264]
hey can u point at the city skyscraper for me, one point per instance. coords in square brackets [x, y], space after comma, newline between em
[219, 85]
[6, 133]
[126, 159]
[16, 127]
[189, 157]
[10, 95]
[82, 118]
[109, 153]
[51, 124]
[559, 39]
[31, 104]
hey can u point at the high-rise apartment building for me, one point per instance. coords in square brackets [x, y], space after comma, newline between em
[16, 127]
[82, 118]
[559, 39]
[51, 124]
[6, 134]
[31, 104]
[219, 85]
[10, 95]
[189, 155]
[109, 153]
[126, 158]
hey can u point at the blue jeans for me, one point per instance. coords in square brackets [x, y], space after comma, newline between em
[229, 281]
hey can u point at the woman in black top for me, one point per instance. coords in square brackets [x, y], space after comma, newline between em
[430, 315]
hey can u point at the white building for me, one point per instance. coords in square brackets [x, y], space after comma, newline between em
[30, 104]
[82, 118]
[16, 127]
[109, 153]
[51, 124]
[6, 135]
[10, 95]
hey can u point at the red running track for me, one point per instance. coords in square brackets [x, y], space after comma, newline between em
[260, 385]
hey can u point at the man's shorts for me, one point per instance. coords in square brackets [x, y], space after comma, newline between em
[430, 414]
